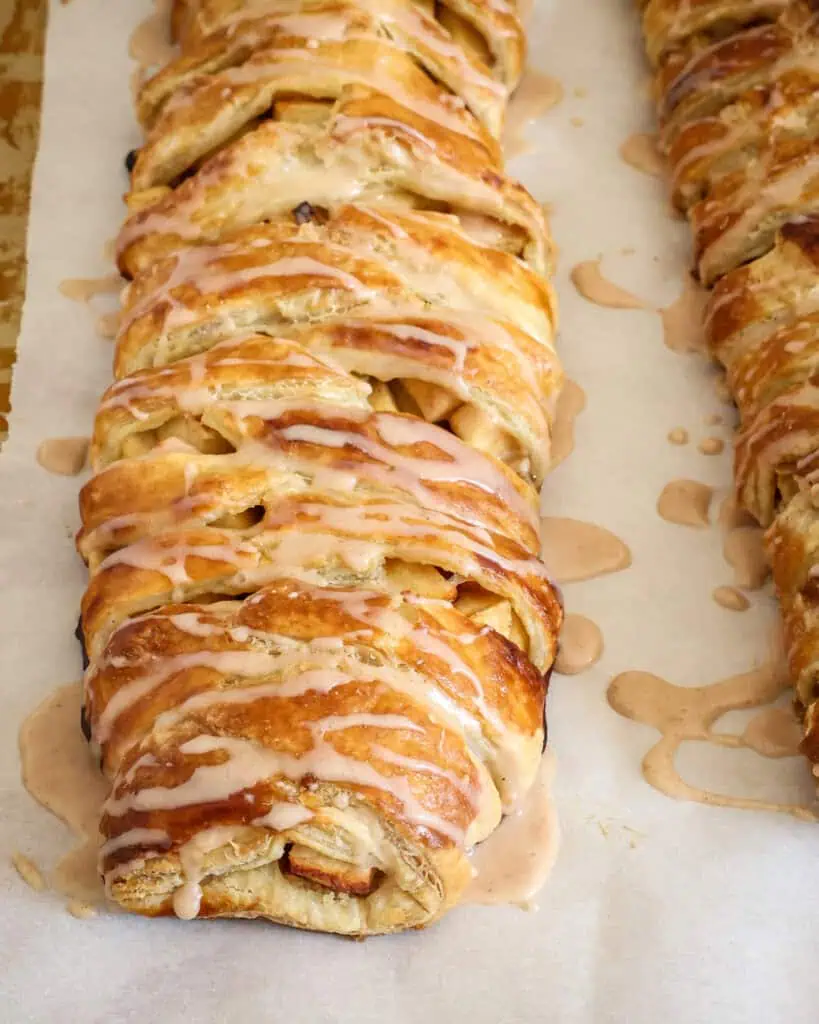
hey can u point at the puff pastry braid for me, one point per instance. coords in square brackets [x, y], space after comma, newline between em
[738, 95]
[318, 629]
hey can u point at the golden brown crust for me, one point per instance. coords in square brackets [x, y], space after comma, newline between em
[263, 277]
[488, 32]
[703, 77]
[310, 265]
[214, 109]
[399, 22]
[328, 539]
[793, 547]
[775, 450]
[318, 628]
[776, 364]
[738, 123]
[289, 445]
[669, 24]
[773, 292]
[466, 375]
[370, 145]
[428, 635]
[707, 148]
[743, 210]
[764, 317]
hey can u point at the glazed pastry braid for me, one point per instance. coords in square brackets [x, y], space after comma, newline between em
[738, 92]
[318, 627]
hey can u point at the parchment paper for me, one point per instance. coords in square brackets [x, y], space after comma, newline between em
[700, 915]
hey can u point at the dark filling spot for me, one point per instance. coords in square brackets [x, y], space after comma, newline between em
[85, 725]
[547, 677]
[130, 160]
[303, 213]
[78, 633]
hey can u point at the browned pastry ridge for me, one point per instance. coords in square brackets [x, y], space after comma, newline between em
[319, 630]
[737, 83]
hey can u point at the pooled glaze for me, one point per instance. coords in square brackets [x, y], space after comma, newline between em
[536, 94]
[731, 598]
[570, 404]
[682, 714]
[59, 772]
[722, 390]
[640, 152]
[731, 515]
[574, 550]
[744, 551]
[774, 732]
[65, 456]
[683, 320]
[685, 503]
[80, 909]
[588, 279]
[711, 446]
[581, 645]
[108, 325]
[512, 865]
[29, 872]
[84, 289]
[150, 43]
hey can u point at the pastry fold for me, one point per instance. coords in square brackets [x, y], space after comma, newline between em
[214, 109]
[309, 265]
[705, 75]
[402, 23]
[368, 754]
[479, 390]
[370, 146]
[490, 35]
[319, 633]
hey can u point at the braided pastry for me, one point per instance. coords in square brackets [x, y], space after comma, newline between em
[738, 94]
[318, 630]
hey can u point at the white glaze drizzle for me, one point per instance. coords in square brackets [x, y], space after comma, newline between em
[248, 764]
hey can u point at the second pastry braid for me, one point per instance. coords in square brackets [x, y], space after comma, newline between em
[318, 627]
[738, 95]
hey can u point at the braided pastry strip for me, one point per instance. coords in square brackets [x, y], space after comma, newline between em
[319, 633]
[738, 95]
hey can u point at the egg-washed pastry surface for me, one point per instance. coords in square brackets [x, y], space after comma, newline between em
[319, 632]
[737, 86]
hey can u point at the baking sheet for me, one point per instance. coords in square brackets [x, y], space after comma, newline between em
[657, 910]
